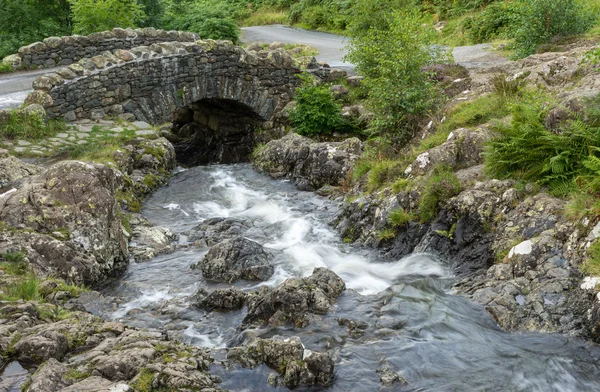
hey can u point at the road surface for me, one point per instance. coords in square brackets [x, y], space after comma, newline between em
[14, 87]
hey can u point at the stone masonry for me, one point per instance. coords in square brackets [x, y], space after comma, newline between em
[57, 51]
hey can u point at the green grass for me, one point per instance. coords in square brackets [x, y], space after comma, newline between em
[143, 381]
[101, 146]
[6, 68]
[30, 126]
[265, 16]
[440, 186]
[592, 264]
[26, 289]
[400, 217]
[386, 234]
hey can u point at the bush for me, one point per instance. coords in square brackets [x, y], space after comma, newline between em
[214, 20]
[495, 21]
[316, 111]
[563, 161]
[385, 49]
[90, 16]
[542, 20]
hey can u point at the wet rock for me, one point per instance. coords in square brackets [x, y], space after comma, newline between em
[215, 230]
[149, 241]
[236, 258]
[295, 300]
[388, 377]
[311, 165]
[231, 298]
[296, 366]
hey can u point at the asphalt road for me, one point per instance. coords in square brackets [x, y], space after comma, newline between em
[14, 87]
[330, 46]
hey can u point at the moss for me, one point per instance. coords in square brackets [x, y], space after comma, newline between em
[143, 381]
[151, 181]
[386, 234]
[74, 374]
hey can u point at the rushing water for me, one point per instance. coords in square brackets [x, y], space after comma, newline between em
[411, 322]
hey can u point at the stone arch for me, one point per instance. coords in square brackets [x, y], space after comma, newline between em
[152, 83]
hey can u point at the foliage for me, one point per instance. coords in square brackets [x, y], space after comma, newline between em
[26, 289]
[25, 21]
[384, 49]
[399, 217]
[592, 264]
[495, 21]
[440, 186]
[542, 20]
[29, 125]
[13, 263]
[316, 111]
[5, 68]
[99, 15]
[214, 20]
[564, 161]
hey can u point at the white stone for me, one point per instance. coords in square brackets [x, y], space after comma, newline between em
[524, 248]
[590, 282]
[423, 160]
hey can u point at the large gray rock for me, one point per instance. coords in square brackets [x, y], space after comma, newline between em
[69, 212]
[295, 300]
[234, 259]
[311, 165]
[227, 299]
[297, 366]
[12, 169]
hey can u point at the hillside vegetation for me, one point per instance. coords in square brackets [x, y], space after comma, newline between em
[527, 24]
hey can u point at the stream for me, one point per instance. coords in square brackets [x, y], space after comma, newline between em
[409, 320]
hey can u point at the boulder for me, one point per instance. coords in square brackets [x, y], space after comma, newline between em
[296, 366]
[38, 348]
[228, 299]
[12, 169]
[215, 230]
[72, 210]
[311, 165]
[234, 259]
[295, 300]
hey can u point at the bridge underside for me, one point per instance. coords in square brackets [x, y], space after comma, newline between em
[214, 130]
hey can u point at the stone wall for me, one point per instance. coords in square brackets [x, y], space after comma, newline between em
[57, 51]
[150, 83]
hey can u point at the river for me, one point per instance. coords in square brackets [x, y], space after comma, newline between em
[410, 320]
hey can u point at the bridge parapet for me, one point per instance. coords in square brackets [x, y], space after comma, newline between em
[58, 51]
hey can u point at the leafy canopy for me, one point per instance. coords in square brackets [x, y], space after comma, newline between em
[90, 16]
[390, 47]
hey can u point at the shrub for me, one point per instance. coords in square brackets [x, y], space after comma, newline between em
[214, 20]
[563, 161]
[99, 15]
[494, 21]
[316, 111]
[390, 47]
[542, 20]
[440, 186]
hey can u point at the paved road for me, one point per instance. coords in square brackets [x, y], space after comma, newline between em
[15, 87]
[330, 46]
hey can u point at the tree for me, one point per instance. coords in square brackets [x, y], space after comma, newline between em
[390, 47]
[90, 16]
[26, 21]
[209, 19]
[542, 20]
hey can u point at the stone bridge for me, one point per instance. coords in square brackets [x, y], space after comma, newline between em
[57, 51]
[213, 92]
